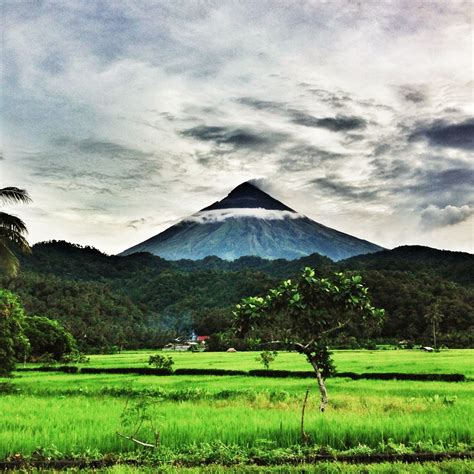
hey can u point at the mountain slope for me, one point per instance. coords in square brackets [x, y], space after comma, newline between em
[251, 222]
[454, 266]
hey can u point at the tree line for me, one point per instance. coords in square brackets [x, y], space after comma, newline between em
[143, 301]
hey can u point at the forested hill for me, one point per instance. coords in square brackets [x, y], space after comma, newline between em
[141, 300]
[455, 266]
[87, 263]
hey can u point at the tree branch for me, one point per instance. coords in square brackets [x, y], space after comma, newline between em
[339, 326]
[137, 441]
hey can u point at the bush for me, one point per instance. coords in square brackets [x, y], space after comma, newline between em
[125, 370]
[266, 358]
[282, 373]
[48, 339]
[403, 376]
[209, 372]
[161, 361]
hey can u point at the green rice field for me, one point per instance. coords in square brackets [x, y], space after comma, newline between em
[229, 420]
[408, 361]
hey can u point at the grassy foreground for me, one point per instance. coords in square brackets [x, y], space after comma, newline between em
[449, 467]
[231, 420]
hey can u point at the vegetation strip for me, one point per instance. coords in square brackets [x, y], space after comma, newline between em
[253, 373]
[315, 458]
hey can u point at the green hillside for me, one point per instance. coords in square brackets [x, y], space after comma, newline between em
[142, 300]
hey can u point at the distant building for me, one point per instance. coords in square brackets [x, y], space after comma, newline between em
[192, 343]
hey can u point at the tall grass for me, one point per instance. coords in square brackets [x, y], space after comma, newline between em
[452, 467]
[77, 413]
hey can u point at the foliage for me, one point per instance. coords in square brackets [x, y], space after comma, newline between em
[92, 312]
[144, 301]
[13, 342]
[266, 358]
[161, 361]
[12, 232]
[47, 336]
[304, 312]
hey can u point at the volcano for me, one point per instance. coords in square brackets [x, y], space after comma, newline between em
[249, 221]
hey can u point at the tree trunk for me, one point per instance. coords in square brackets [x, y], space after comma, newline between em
[321, 385]
[304, 436]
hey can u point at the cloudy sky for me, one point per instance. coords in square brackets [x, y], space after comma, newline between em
[122, 117]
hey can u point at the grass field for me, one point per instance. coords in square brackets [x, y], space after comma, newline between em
[321, 468]
[67, 415]
[406, 361]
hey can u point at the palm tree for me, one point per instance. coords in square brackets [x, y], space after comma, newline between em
[12, 231]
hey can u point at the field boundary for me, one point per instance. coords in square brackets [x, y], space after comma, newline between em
[252, 373]
[311, 459]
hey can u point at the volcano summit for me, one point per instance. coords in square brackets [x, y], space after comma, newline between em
[251, 222]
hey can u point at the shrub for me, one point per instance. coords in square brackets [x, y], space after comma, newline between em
[266, 358]
[161, 361]
[48, 339]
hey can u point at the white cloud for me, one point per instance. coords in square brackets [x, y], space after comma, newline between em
[219, 215]
[433, 216]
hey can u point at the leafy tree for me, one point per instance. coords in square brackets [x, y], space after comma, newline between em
[13, 342]
[161, 361]
[12, 231]
[266, 358]
[48, 337]
[304, 312]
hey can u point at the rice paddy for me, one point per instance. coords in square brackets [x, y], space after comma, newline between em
[78, 415]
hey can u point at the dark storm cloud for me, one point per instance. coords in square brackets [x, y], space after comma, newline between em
[438, 187]
[443, 134]
[337, 187]
[435, 181]
[339, 123]
[235, 137]
[262, 104]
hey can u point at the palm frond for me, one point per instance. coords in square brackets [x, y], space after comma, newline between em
[9, 263]
[12, 194]
[10, 237]
[10, 222]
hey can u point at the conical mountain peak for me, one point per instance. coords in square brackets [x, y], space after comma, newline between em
[248, 196]
[248, 221]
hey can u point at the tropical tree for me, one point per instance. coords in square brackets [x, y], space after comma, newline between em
[48, 337]
[13, 343]
[302, 313]
[12, 231]
[434, 316]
